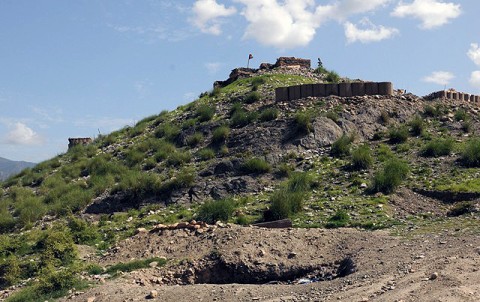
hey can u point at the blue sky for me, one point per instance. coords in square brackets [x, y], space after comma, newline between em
[73, 68]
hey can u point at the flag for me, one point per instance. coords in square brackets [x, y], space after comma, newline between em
[250, 56]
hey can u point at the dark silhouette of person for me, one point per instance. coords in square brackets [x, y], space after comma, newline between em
[191, 193]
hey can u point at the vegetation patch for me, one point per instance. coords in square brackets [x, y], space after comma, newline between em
[387, 179]
[216, 210]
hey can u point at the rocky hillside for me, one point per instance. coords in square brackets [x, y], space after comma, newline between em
[10, 167]
[398, 163]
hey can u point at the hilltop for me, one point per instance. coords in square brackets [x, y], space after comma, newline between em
[364, 179]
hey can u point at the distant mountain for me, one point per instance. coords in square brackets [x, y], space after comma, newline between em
[10, 167]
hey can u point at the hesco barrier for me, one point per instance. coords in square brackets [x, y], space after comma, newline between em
[453, 95]
[341, 89]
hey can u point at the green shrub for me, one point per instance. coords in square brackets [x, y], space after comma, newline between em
[462, 208]
[303, 122]
[10, 271]
[417, 126]
[332, 77]
[362, 158]
[206, 154]
[284, 170]
[220, 134]
[164, 151]
[241, 118]
[429, 111]
[466, 126]
[256, 165]
[299, 182]
[384, 118]
[53, 280]
[257, 82]
[333, 115]
[134, 157]
[268, 114]
[461, 115]
[237, 106]
[386, 180]
[215, 92]
[168, 131]
[384, 152]
[82, 232]
[252, 97]
[57, 248]
[470, 157]
[29, 210]
[438, 147]
[178, 158]
[195, 139]
[205, 113]
[215, 210]
[398, 135]
[338, 220]
[341, 147]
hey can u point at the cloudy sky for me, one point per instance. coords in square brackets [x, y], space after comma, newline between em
[74, 68]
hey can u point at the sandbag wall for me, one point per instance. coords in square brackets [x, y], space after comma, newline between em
[341, 89]
[454, 95]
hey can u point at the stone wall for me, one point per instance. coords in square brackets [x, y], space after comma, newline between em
[453, 95]
[341, 89]
[292, 62]
[72, 142]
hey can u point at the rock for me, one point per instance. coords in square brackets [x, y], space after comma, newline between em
[153, 264]
[91, 299]
[292, 255]
[153, 294]
[141, 230]
[433, 276]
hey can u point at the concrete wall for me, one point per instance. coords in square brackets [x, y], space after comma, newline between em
[341, 89]
[453, 95]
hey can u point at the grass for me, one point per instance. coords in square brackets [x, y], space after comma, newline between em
[388, 178]
[220, 134]
[398, 135]
[252, 97]
[470, 157]
[133, 265]
[303, 122]
[341, 147]
[417, 126]
[256, 165]
[216, 210]
[362, 158]
[268, 114]
[241, 118]
[438, 147]
[338, 220]
[205, 113]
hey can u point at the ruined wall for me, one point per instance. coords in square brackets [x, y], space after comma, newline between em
[341, 89]
[72, 142]
[453, 95]
[292, 62]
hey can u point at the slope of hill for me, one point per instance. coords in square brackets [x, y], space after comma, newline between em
[403, 164]
[10, 167]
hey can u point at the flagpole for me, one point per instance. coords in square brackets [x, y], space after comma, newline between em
[248, 62]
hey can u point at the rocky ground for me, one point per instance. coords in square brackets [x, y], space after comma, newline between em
[234, 263]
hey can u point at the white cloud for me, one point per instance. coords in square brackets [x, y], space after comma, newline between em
[21, 134]
[432, 13]
[475, 79]
[474, 53]
[213, 67]
[207, 14]
[439, 77]
[368, 33]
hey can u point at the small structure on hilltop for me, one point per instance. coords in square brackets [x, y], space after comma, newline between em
[72, 142]
[282, 62]
[452, 94]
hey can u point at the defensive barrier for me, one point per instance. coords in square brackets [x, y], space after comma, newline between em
[341, 89]
[453, 95]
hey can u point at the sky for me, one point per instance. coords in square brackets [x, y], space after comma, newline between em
[84, 67]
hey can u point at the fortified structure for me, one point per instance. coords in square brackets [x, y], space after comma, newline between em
[452, 94]
[341, 89]
[72, 142]
[285, 62]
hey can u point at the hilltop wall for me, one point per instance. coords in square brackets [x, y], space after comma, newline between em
[453, 95]
[341, 89]
[72, 142]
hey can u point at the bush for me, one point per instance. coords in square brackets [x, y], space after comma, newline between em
[52, 280]
[241, 118]
[333, 116]
[134, 157]
[220, 134]
[384, 118]
[462, 208]
[205, 113]
[362, 158]
[430, 111]
[256, 165]
[215, 210]
[57, 248]
[303, 122]
[168, 131]
[470, 156]
[194, 139]
[461, 115]
[82, 232]
[417, 126]
[438, 147]
[178, 158]
[134, 265]
[206, 154]
[341, 147]
[466, 126]
[252, 97]
[256, 82]
[338, 220]
[10, 271]
[268, 114]
[390, 177]
[398, 135]
[332, 77]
